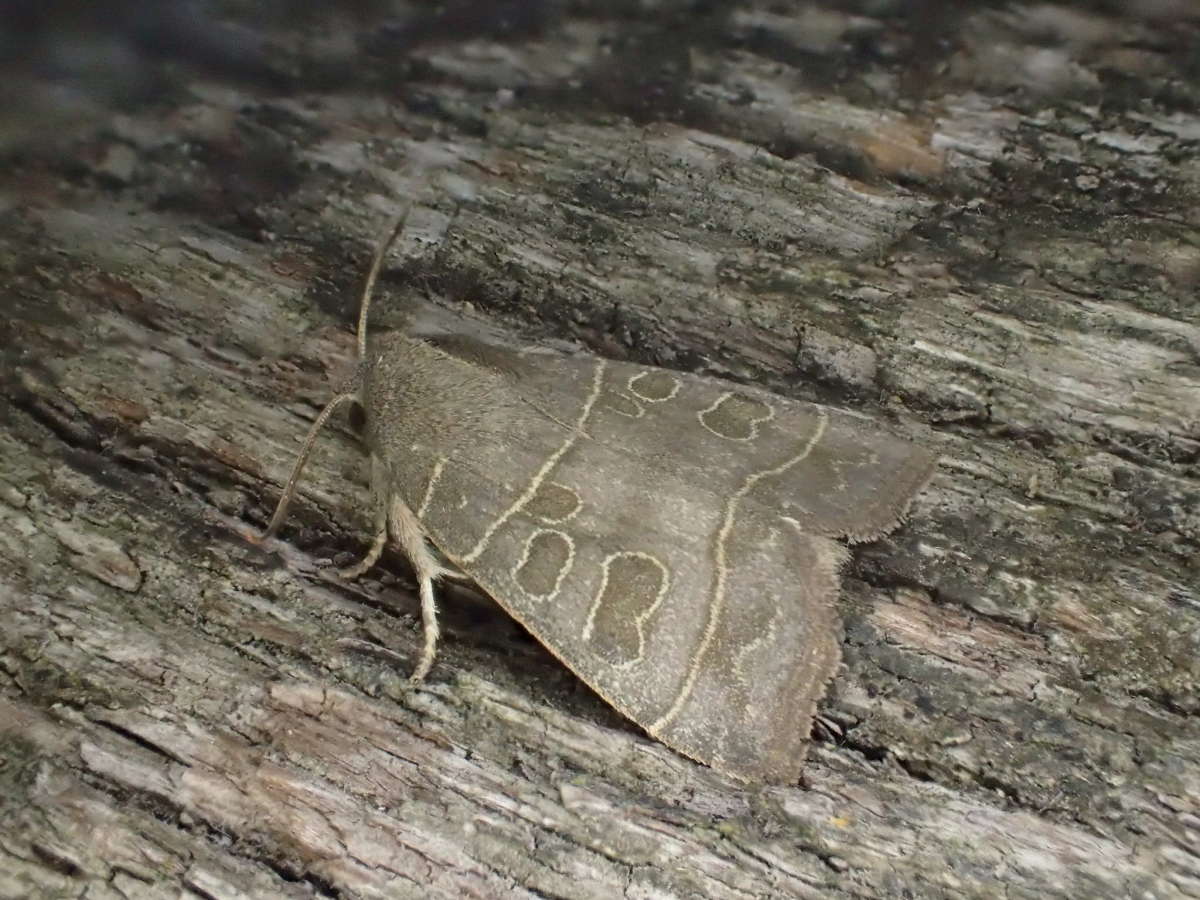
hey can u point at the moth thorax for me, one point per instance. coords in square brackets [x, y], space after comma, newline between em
[412, 393]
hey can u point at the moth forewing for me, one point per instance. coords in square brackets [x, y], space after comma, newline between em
[668, 537]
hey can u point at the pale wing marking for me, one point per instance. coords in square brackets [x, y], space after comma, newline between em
[567, 563]
[584, 413]
[433, 480]
[640, 620]
[717, 600]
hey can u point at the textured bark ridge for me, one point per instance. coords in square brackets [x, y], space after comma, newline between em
[977, 229]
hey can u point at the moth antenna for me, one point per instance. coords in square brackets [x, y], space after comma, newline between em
[372, 275]
[309, 440]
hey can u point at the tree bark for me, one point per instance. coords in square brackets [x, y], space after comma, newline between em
[978, 227]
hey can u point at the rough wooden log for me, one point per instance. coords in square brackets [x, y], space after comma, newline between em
[979, 227]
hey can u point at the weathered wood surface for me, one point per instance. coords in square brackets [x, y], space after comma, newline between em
[981, 228]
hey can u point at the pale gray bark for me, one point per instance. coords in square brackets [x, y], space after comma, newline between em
[980, 230]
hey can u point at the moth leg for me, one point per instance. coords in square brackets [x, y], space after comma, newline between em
[449, 570]
[454, 574]
[373, 554]
[379, 494]
[408, 533]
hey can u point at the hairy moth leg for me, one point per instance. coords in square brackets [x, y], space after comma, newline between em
[393, 516]
[407, 532]
[374, 552]
[380, 490]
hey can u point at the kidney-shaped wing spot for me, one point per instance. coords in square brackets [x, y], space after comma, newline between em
[545, 561]
[654, 385]
[623, 404]
[632, 587]
[736, 417]
[554, 503]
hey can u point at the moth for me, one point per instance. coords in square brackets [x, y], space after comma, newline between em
[673, 539]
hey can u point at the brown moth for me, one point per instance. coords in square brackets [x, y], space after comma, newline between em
[671, 538]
